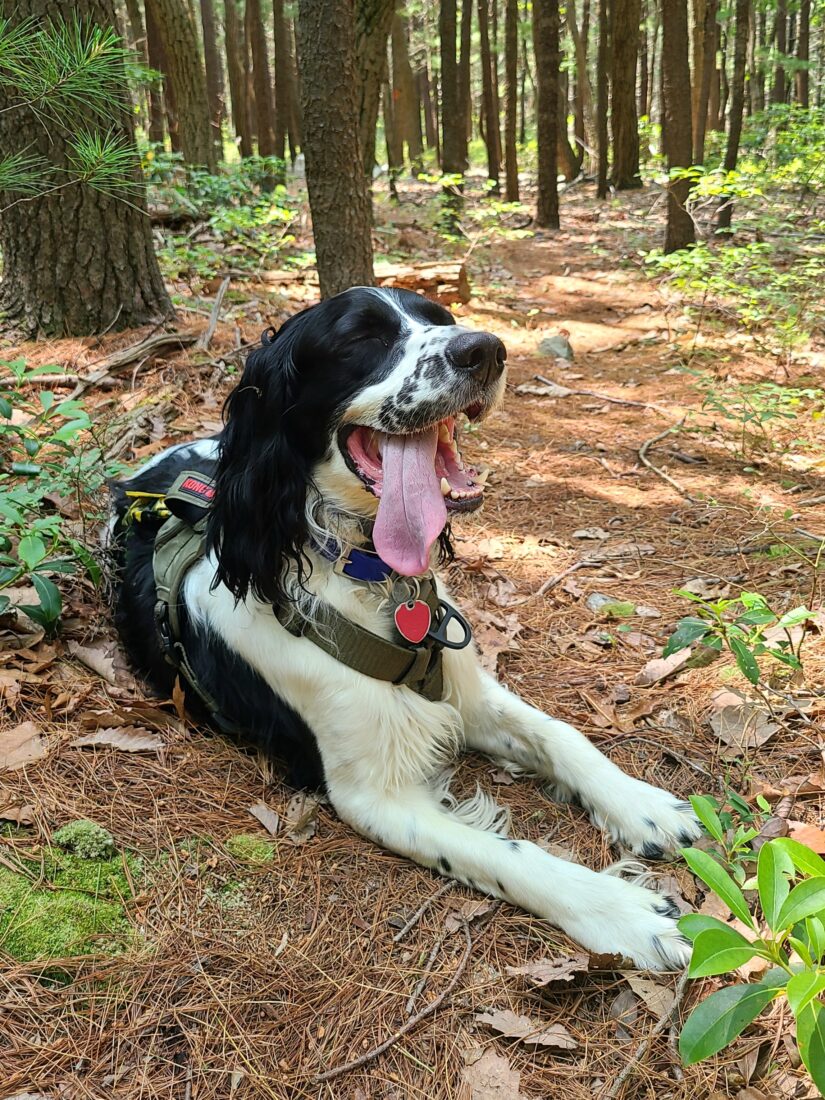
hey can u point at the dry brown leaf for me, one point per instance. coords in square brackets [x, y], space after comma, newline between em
[502, 777]
[491, 1077]
[302, 817]
[740, 727]
[503, 592]
[795, 785]
[658, 998]
[771, 829]
[21, 746]
[267, 817]
[660, 668]
[542, 972]
[495, 634]
[750, 1093]
[625, 1011]
[20, 815]
[100, 658]
[125, 738]
[466, 913]
[809, 835]
[526, 1030]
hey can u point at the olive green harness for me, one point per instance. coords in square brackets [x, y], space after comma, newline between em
[180, 544]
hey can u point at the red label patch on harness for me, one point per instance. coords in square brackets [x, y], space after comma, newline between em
[413, 620]
[197, 488]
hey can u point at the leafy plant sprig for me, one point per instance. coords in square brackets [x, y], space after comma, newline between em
[732, 830]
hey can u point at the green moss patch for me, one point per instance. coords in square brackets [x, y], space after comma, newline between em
[250, 848]
[65, 905]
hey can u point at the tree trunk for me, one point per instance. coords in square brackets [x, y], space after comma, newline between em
[624, 123]
[547, 54]
[781, 39]
[465, 102]
[803, 47]
[708, 41]
[569, 160]
[392, 139]
[453, 134]
[737, 102]
[602, 94]
[425, 93]
[644, 62]
[76, 261]
[295, 128]
[715, 95]
[584, 92]
[237, 78]
[373, 19]
[162, 102]
[214, 73]
[406, 113]
[188, 77]
[680, 231]
[511, 191]
[283, 91]
[138, 44]
[336, 180]
[492, 134]
[264, 105]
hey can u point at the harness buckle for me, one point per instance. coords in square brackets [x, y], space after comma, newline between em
[164, 632]
[446, 614]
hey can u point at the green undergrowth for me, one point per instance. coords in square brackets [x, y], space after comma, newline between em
[60, 904]
[250, 849]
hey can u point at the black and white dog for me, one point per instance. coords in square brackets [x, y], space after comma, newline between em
[342, 432]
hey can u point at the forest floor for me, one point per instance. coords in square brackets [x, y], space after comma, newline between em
[249, 969]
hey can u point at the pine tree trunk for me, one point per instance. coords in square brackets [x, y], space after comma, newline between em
[76, 261]
[407, 112]
[237, 77]
[295, 127]
[465, 101]
[283, 90]
[214, 73]
[547, 54]
[644, 72]
[138, 44]
[803, 48]
[425, 92]
[708, 41]
[259, 52]
[602, 94]
[183, 56]
[492, 134]
[163, 114]
[715, 95]
[511, 191]
[737, 103]
[780, 38]
[453, 137]
[395, 146]
[336, 180]
[680, 230]
[373, 19]
[624, 123]
[584, 92]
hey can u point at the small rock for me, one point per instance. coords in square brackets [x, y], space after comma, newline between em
[557, 346]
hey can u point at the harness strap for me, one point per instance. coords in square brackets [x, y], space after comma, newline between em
[417, 667]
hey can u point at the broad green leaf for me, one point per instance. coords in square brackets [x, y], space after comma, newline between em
[804, 900]
[705, 810]
[719, 881]
[5, 408]
[772, 876]
[693, 924]
[722, 1016]
[31, 550]
[4, 603]
[687, 631]
[794, 617]
[26, 469]
[744, 659]
[716, 952]
[760, 616]
[810, 1037]
[49, 596]
[804, 859]
[815, 931]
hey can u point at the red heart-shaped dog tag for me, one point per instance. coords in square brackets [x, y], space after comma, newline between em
[413, 620]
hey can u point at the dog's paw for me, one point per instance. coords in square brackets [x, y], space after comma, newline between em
[648, 821]
[635, 922]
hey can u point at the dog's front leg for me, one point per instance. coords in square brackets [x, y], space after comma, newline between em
[645, 819]
[602, 912]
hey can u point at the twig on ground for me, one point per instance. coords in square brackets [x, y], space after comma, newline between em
[642, 1049]
[624, 738]
[143, 350]
[607, 397]
[422, 909]
[413, 1021]
[551, 582]
[642, 453]
[205, 339]
[422, 981]
[810, 503]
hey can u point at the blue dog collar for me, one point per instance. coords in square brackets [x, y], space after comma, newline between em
[358, 565]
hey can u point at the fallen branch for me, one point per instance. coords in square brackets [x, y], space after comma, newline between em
[205, 339]
[810, 502]
[422, 981]
[642, 453]
[422, 909]
[120, 360]
[551, 582]
[642, 1049]
[413, 1021]
[605, 397]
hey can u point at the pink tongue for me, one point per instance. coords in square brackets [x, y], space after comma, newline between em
[411, 510]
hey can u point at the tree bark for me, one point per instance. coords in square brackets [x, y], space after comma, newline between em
[706, 54]
[644, 63]
[680, 230]
[465, 101]
[336, 180]
[803, 47]
[570, 160]
[511, 190]
[76, 261]
[737, 103]
[425, 93]
[547, 54]
[406, 113]
[259, 52]
[453, 133]
[188, 78]
[214, 73]
[781, 39]
[237, 77]
[492, 133]
[584, 92]
[373, 19]
[602, 94]
[162, 106]
[395, 146]
[283, 89]
[624, 123]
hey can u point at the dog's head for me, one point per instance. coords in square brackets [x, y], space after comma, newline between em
[353, 405]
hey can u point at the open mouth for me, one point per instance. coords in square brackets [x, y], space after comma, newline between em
[418, 478]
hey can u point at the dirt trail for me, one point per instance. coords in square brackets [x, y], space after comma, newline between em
[251, 978]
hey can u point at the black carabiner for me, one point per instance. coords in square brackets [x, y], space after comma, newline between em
[444, 616]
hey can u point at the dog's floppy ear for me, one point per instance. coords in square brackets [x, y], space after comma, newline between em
[257, 525]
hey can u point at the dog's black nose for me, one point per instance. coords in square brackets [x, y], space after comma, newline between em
[479, 352]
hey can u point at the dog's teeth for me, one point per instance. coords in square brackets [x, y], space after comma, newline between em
[444, 433]
[454, 494]
[445, 487]
[482, 477]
